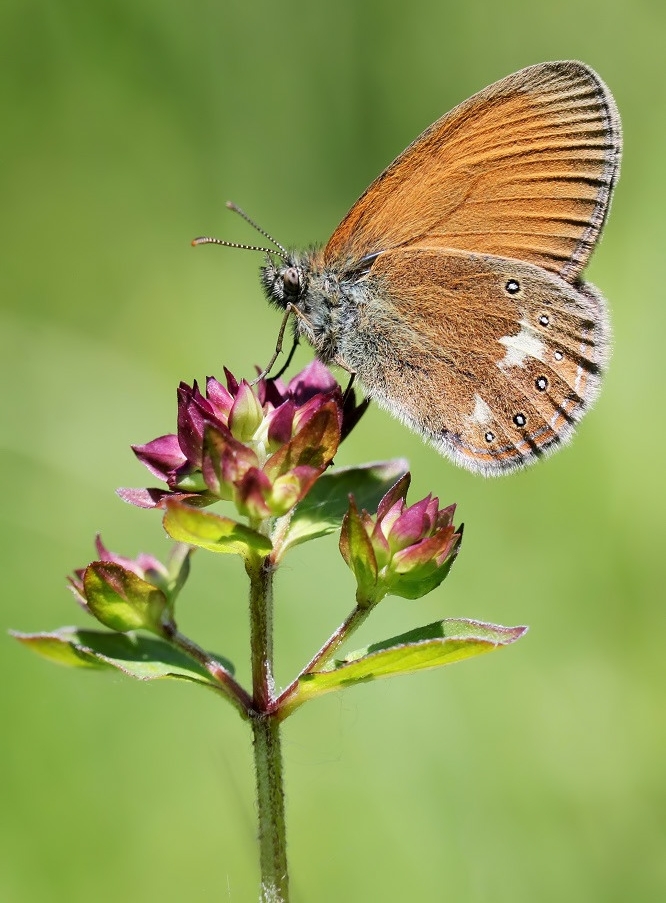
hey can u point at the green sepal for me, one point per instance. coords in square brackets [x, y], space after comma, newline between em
[212, 532]
[357, 551]
[440, 643]
[121, 600]
[421, 581]
[138, 656]
[322, 510]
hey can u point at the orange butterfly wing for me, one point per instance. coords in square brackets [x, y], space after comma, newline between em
[524, 169]
[490, 359]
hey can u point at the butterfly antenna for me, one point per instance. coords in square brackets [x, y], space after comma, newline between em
[237, 209]
[209, 240]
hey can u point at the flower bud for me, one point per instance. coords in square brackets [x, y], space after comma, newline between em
[406, 551]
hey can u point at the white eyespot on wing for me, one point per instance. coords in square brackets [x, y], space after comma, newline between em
[481, 413]
[524, 344]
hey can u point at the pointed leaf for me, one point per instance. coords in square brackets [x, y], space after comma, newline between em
[441, 643]
[322, 510]
[212, 532]
[142, 657]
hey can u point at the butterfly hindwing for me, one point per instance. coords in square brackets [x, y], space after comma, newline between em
[493, 360]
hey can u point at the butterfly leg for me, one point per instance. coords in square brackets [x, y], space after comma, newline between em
[348, 389]
[290, 356]
[290, 309]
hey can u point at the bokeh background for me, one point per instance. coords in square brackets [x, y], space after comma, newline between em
[533, 774]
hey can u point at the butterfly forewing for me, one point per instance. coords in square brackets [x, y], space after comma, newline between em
[492, 359]
[524, 169]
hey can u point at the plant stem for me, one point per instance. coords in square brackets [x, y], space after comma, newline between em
[270, 803]
[260, 571]
[266, 736]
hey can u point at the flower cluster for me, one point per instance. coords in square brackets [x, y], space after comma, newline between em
[261, 448]
[406, 551]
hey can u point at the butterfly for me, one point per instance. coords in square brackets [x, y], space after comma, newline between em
[452, 289]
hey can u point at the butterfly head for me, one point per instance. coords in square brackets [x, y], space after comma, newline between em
[284, 282]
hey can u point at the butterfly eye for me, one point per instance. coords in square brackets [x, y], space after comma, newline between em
[291, 281]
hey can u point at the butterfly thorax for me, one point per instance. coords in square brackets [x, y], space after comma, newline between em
[324, 305]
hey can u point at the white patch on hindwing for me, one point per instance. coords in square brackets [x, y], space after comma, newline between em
[521, 346]
[481, 413]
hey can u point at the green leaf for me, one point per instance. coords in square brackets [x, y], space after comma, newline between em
[120, 599]
[441, 643]
[323, 508]
[212, 532]
[142, 657]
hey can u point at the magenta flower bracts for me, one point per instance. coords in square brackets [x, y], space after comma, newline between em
[260, 447]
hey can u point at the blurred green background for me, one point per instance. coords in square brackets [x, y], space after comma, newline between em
[534, 774]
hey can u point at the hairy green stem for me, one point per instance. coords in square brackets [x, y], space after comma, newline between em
[270, 803]
[266, 737]
[260, 571]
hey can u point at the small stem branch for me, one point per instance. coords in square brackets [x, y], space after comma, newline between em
[236, 694]
[270, 802]
[351, 623]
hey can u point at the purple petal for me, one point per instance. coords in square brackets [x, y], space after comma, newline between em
[225, 460]
[313, 380]
[162, 456]
[445, 517]
[138, 565]
[280, 424]
[397, 491]
[193, 414]
[432, 512]
[314, 445]
[251, 492]
[306, 411]
[451, 548]
[412, 525]
[273, 392]
[143, 498]
[219, 397]
[232, 382]
[422, 553]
